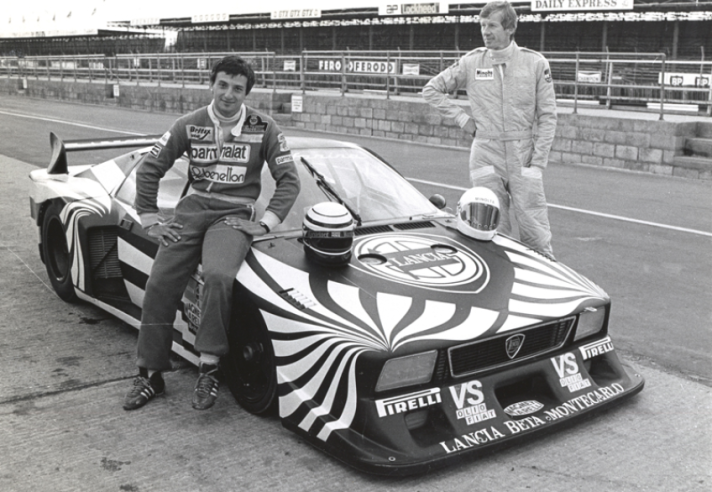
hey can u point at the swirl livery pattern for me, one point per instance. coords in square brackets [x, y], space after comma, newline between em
[70, 216]
[542, 289]
[324, 326]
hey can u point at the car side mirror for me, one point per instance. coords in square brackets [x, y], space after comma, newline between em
[439, 201]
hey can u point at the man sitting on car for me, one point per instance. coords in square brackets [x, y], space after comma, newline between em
[227, 144]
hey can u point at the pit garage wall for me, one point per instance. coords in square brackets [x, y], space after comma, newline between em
[641, 145]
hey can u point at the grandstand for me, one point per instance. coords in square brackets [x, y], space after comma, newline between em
[680, 29]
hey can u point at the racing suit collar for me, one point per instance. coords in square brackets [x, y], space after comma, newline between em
[502, 56]
[238, 119]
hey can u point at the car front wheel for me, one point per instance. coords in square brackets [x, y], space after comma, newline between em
[250, 366]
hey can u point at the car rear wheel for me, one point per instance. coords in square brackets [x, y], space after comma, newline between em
[56, 254]
[250, 366]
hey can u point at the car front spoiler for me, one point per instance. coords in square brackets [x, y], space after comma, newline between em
[468, 418]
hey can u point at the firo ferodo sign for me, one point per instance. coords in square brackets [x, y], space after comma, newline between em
[358, 66]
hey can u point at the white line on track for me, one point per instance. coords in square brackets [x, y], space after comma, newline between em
[587, 212]
[67, 122]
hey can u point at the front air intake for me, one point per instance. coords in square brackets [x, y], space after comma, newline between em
[476, 357]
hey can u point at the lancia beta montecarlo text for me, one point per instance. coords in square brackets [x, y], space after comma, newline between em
[512, 427]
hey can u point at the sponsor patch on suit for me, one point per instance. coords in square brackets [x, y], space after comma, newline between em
[219, 173]
[200, 133]
[283, 159]
[254, 124]
[250, 138]
[484, 74]
[158, 146]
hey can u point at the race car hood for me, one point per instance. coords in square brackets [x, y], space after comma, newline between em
[430, 283]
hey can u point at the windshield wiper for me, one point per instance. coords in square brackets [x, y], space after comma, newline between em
[324, 185]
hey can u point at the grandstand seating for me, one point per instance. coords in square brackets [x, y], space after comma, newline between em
[694, 39]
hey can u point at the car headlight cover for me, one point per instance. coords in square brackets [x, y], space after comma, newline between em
[590, 322]
[407, 371]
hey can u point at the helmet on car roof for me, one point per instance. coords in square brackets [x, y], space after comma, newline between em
[328, 233]
[478, 213]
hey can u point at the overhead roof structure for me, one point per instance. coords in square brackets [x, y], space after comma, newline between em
[109, 17]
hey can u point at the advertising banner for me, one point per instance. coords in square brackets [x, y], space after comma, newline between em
[414, 8]
[295, 14]
[588, 76]
[684, 79]
[297, 103]
[579, 5]
[411, 69]
[359, 66]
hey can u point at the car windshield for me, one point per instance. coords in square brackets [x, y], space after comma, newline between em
[370, 188]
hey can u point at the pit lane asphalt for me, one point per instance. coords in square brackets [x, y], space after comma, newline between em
[65, 369]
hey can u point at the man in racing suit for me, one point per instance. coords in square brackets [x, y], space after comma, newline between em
[513, 121]
[227, 144]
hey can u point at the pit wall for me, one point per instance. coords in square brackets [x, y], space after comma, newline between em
[635, 144]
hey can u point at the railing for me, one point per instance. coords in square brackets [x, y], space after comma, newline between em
[648, 80]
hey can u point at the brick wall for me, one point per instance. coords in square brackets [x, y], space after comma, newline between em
[641, 145]
[635, 144]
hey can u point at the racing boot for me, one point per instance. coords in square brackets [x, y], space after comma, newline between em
[144, 389]
[206, 387]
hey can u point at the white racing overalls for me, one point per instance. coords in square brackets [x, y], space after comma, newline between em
[511, 95]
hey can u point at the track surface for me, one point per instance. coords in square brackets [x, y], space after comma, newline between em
[644, 239]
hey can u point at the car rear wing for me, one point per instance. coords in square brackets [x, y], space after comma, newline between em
[58, 160]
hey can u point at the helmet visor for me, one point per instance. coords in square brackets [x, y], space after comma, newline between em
[330, 242]
[480, 216]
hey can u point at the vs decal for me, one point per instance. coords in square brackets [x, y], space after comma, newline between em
[567, 369]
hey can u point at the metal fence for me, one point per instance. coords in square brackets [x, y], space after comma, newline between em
[648, 80]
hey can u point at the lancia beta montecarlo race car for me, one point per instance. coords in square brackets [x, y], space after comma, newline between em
[413, 346]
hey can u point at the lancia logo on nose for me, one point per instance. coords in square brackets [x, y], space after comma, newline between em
[423, 260]
[513, 344]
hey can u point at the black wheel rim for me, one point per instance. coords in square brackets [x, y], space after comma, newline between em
[254, 363]
[58, 253]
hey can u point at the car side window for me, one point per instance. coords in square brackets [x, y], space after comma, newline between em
[170, 188]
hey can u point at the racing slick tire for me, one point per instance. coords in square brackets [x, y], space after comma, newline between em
[249, 368]
[56, 254]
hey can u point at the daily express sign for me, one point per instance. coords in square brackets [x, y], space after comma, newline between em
[580, 5]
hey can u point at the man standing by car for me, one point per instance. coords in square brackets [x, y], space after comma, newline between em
[227, 144]
[511, 95]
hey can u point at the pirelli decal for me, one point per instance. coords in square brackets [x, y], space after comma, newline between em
[409, 402]
[596, 348]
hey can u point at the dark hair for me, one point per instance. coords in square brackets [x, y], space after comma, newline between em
[234, 65]
[509, 16]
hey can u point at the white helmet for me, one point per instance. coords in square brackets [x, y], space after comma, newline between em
[478, 213]
[328, 233]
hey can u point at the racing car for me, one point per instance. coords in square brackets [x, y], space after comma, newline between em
[420, 346]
